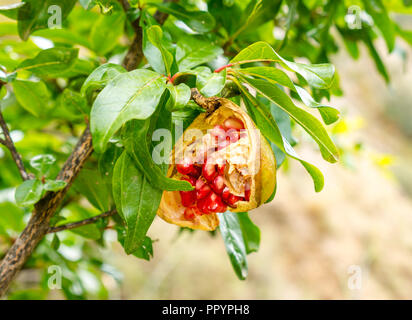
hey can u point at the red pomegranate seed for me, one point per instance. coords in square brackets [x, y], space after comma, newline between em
[187, 167]
[233, 135]
[229, 198]
[233, 123]
[221, 168]
[190, 213]
[247, 191]
[218, 184]
[212, 202]
[202, 206]
[218, 132]
[192, 180]
[226, 194]
[209, 171]
[232, 200]
[202, 189]
[188, 198]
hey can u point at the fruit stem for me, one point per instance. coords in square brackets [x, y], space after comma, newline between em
[223, 67]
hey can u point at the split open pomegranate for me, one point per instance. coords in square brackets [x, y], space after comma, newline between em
[209, 177]
[229, 164]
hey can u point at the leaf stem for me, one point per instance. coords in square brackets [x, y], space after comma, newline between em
[81, 223]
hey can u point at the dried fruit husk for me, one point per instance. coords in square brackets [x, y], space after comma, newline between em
[260, 161]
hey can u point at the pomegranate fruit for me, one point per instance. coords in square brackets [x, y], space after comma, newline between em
[231, 166]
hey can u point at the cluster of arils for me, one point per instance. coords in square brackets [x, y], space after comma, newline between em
[207, 175]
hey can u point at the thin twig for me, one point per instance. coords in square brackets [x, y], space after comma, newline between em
[8, 143]
[81, 223]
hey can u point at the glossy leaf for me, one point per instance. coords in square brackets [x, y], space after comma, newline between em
[250, 232]
[319, 76]
[267, 125]
[155, 35]
[100, 77]
[235, 245]
[35, 14]
[200, 21]
[11, 10]
[28, 193]
[194, 50]
[382, 21]
[32, 96]
[179, 96]
[54, 185]
[132, 95]
[209, 83]
[106, 32]
[308, 122]
[50, 62]
[43, 163]
[136, 200]
[137, 139]
[90, 184]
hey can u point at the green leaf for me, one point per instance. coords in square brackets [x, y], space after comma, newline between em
[250, 232]
[137, 139]
[74, 103]
[329, 114]
[75, 213]
[192, 51]
[55, 243]
[271, 74]
[66, 36]
[50, 62]
[308, 122]
[235, 245]
[136, 200]
[382, 20]
[376, 57]
[28, 193]
[106, 32]
[145, 251]
[179, 96]
[267, 124]
[155, 35]
[319, 76]
[35, 14]
[43, 163]
[90, 184]
[200, 21]
[132, 95]
[54, 185]
[11, 217]
[11, 10]
[99, 78]
[209, 83]
[32, 96]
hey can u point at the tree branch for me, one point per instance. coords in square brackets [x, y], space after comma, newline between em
[81, 223]
[38, 225]
[135, 53]
[209, 104]
[8, 143]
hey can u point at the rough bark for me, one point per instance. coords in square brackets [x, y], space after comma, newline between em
[38, 225]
